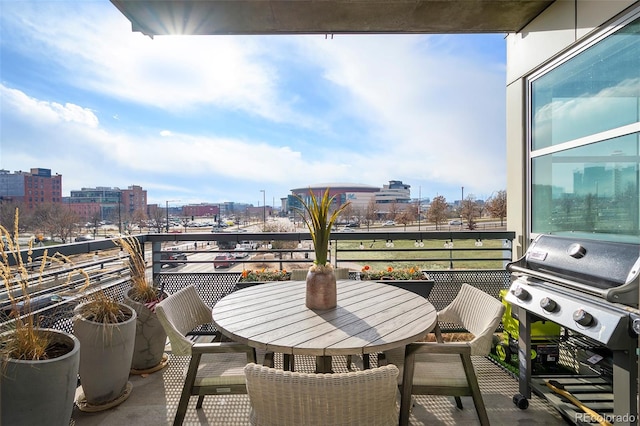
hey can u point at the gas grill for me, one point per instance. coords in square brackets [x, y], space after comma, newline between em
[590, 288]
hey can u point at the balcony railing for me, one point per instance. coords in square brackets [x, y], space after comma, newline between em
[449, 258]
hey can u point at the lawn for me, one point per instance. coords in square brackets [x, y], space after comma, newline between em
[427, 255]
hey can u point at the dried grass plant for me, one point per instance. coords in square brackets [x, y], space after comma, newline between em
[104, 309]
[19, 327]
[142, 290]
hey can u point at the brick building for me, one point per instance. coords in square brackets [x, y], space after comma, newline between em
[32, 189]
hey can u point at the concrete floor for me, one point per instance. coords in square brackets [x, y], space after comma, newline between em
[154, 398]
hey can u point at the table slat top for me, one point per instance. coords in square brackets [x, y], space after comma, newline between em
[370, 317]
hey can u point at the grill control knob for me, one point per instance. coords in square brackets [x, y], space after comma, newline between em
[548, 304]
[521, 293]
[575, 250]
[583, 318]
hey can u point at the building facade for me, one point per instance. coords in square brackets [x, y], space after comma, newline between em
[31, 189]
[201, 210]
[108, 204]
[360, 196]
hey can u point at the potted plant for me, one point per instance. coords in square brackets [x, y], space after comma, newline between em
[412, 278]
[250, 277]
[321, 280]
[148, 354]
[39, 366]
[106, 330]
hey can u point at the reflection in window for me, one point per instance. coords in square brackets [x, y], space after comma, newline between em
[592, 189]
[596, 90]
[583, 182]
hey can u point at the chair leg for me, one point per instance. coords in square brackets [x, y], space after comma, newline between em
[268, 359]
[288, 362]
[458, 402]
[475, 390]
[186, 390]
[366, 362]
[406, 387]
[200, 401]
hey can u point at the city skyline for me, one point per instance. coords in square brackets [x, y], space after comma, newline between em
[223, 118]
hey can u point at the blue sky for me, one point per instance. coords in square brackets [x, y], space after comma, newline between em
[219, 118]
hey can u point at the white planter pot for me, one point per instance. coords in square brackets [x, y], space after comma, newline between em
[105, 359]
[40, 392]
[150, 337]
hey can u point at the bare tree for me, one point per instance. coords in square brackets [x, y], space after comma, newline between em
[347, 213]
[437, 212]
[393, 212]
[157, 219]
[95, 220]
[43, 219]
[62, 223]
[497, 206]
[370, 212]
[359, 213]
[470, 211]
[8, 213]
[406, 216]
[139, 218]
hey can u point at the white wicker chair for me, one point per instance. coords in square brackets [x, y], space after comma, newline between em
[287, 398]
[429, 368]
[221, 369]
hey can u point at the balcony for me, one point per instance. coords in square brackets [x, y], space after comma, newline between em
[463, 256]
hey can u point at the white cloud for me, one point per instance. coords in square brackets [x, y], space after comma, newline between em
[434, 115]
[45, 111]
[365, 109]
[174, 73]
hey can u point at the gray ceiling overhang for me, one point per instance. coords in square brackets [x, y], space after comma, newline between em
[165, 17]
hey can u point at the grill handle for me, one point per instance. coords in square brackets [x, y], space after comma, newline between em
[555, 279]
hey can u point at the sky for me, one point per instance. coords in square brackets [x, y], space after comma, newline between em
[210, 119]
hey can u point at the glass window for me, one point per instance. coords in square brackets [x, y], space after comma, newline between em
[592, 190]
[585, 182]
[596, 90]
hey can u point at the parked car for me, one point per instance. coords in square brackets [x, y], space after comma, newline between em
[81, 238]
[223, 261]
[246, 245]
[455, 222]
[174, 258]
[240, 253]
[389, 223]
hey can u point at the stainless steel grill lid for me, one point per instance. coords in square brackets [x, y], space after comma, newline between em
[595, 263]
[604, 269]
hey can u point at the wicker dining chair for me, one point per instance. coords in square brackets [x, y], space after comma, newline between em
[288, 398]
[437, 368]
[215, 367]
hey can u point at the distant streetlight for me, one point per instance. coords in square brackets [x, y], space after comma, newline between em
[167, 211]
[419, 201]
[461, 205]
[264, 211]
[119, 214]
